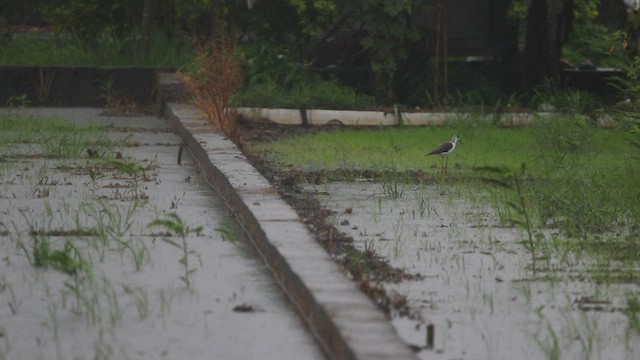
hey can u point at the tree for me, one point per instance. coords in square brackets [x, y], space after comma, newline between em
[387, 30]
[148, 26]
[549, 24]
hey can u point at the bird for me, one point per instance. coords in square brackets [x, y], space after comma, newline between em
[444, 150]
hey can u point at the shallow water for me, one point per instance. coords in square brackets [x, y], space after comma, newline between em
[478, 287]
[126, 310]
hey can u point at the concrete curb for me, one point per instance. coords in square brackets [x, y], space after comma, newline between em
[320, 117]
[344, 321]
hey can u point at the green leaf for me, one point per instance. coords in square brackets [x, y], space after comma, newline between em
[173, 222]
[515, 222]
[516, 207]
[171, 242]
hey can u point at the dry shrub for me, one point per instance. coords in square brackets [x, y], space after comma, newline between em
[214, 79]
[119, 104]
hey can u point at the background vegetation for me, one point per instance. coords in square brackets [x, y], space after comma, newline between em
[382, 54]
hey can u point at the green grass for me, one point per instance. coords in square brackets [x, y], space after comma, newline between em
[52, 137]
[18, 121]
[174, 223]
[311, 93]
[405, 148]
[107, 52]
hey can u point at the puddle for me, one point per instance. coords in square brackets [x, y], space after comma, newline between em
[132, 303]
[478, 289]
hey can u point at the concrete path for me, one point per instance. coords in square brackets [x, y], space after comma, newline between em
[133, 305]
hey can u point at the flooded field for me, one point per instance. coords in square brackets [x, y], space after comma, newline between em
[85, 274]
[479, 293]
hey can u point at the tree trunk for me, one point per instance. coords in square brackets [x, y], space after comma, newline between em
[217, 21]
[148, 27]
[536, 51]
[613, 14]
[548, 27]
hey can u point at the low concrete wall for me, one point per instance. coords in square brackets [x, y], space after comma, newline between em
[345, 321]
[78, 86]
[319, 117]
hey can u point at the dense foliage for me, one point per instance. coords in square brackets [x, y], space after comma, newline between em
[379, 48]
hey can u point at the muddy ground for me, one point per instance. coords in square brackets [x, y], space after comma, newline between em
[450, 267]
[367, 269]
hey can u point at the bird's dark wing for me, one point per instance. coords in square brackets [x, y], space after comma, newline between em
[442, 148]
